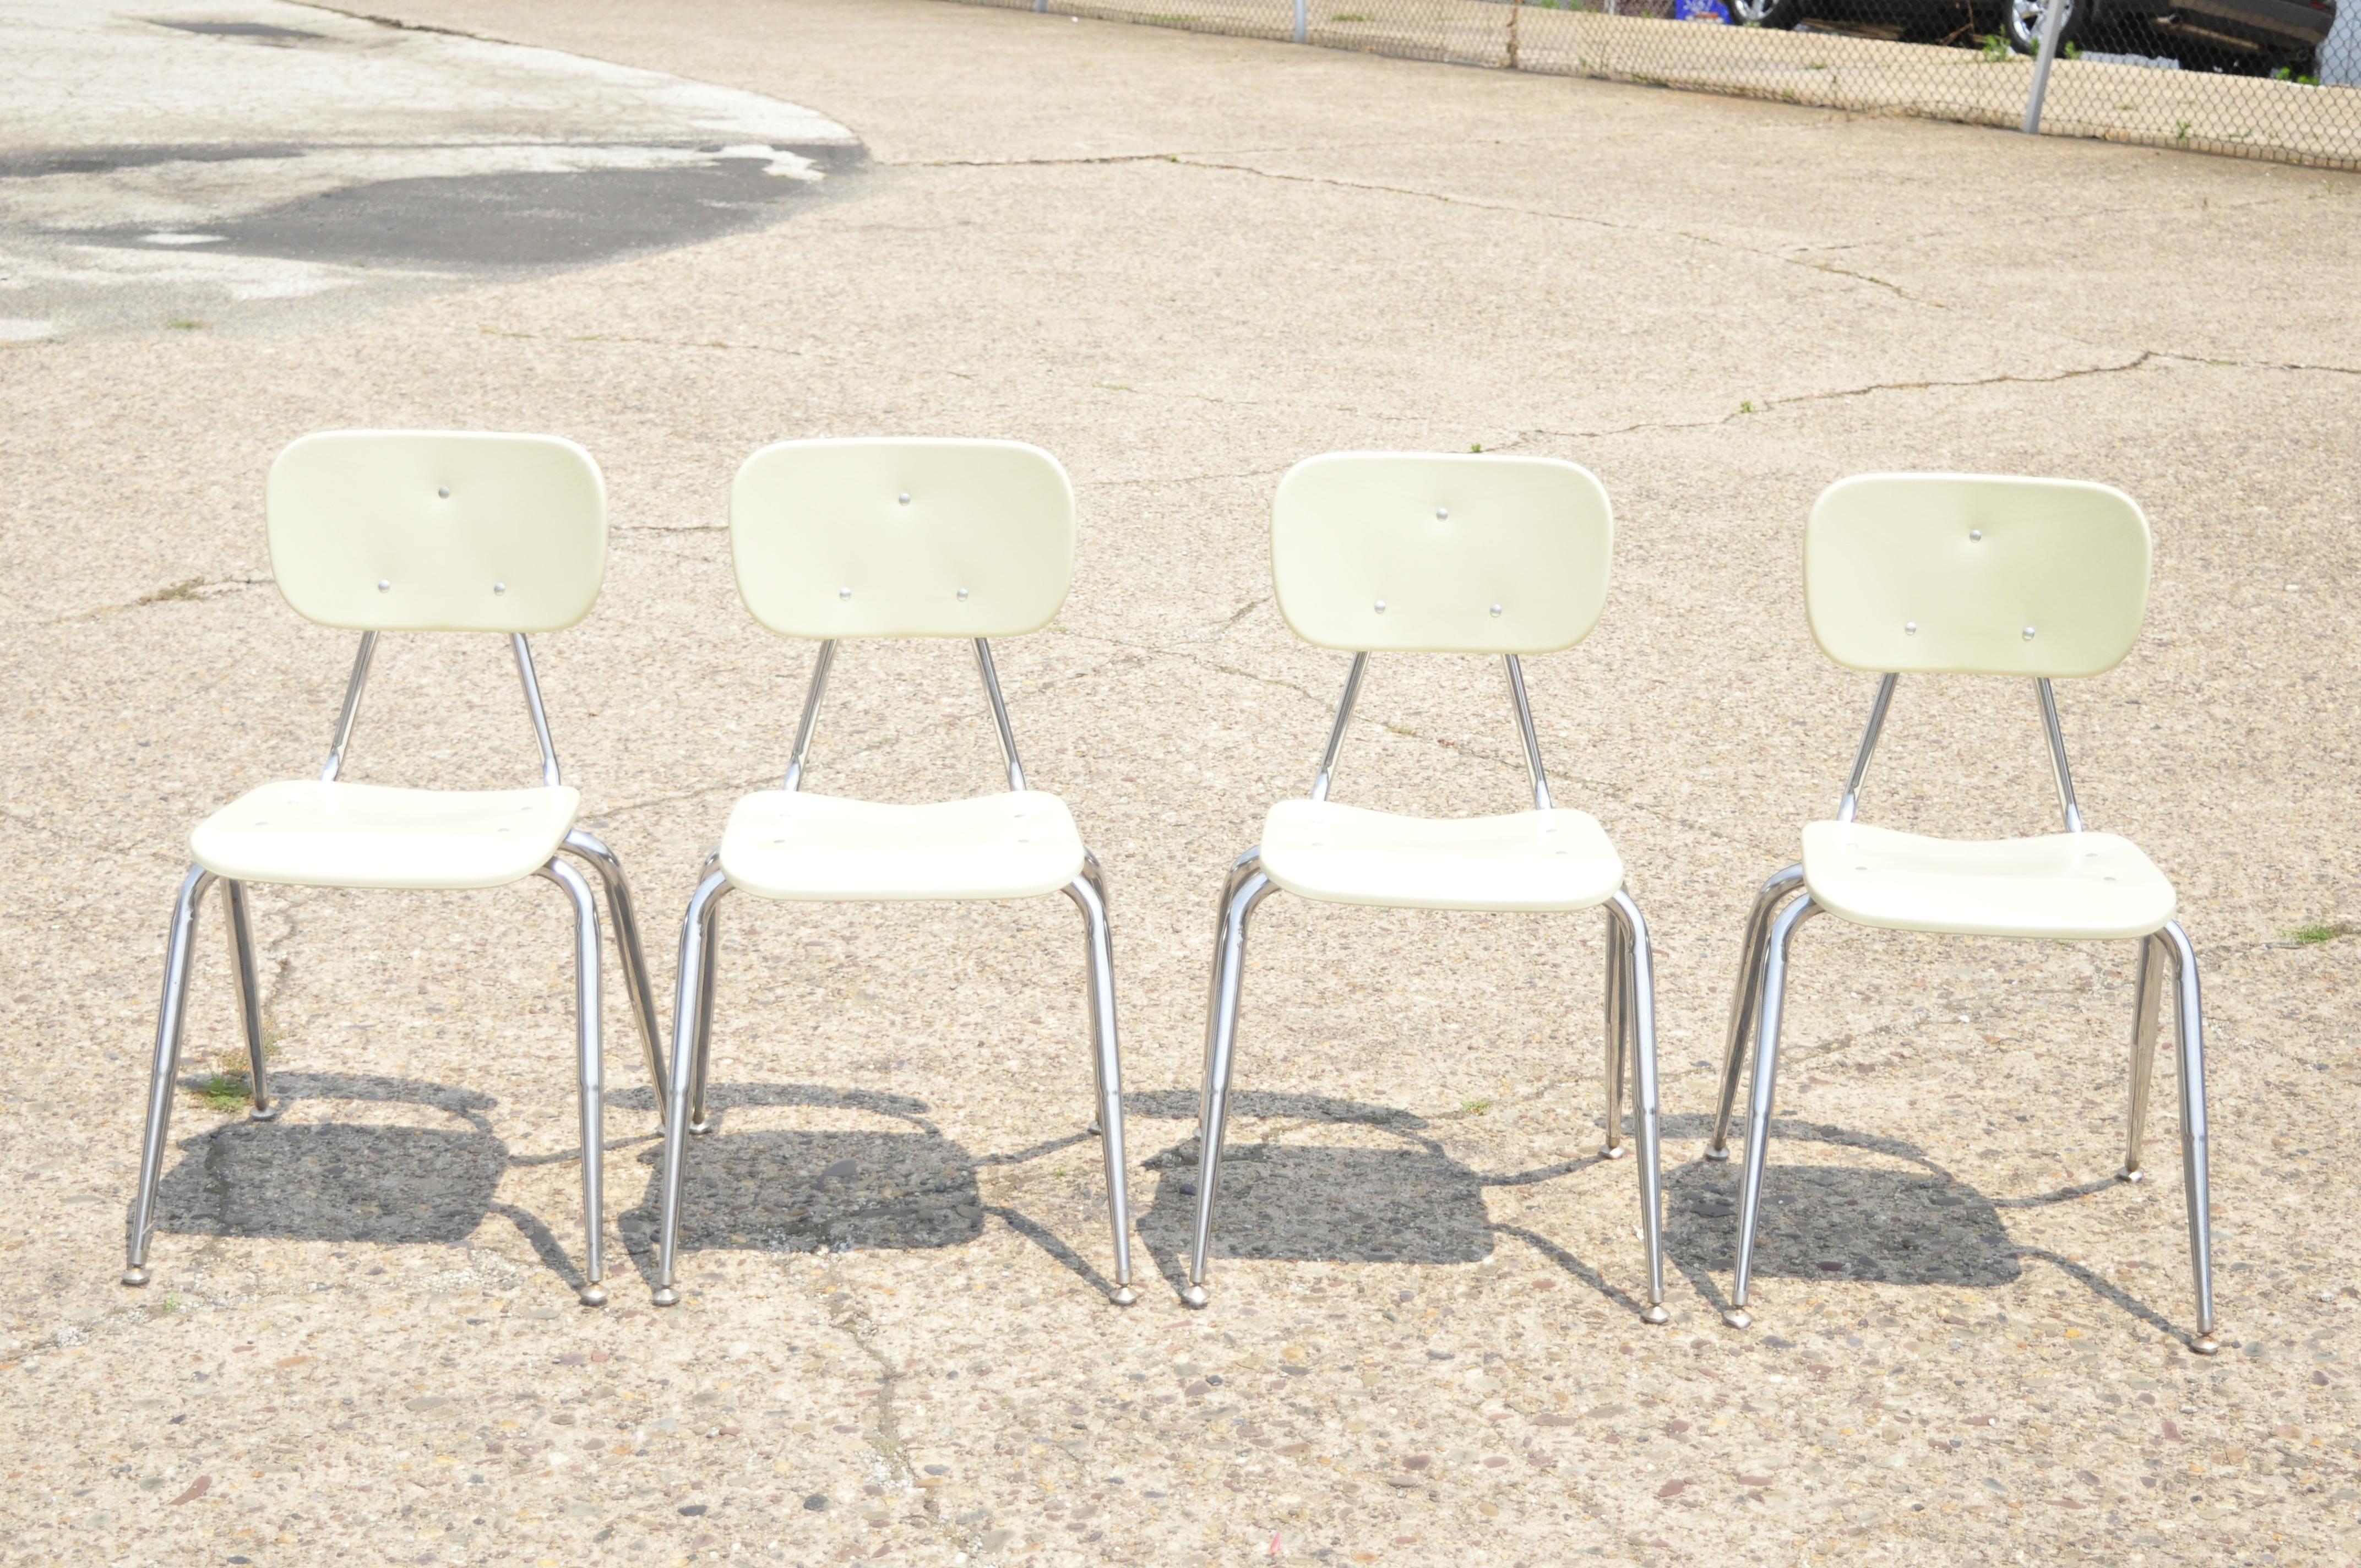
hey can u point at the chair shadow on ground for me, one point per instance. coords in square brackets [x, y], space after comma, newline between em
[1414, 1203]
[361, 1182]
[851, 1189]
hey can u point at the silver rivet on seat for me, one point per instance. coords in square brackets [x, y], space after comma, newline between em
[1975, 535]
[385, 585]
[906, 497]
[444, 492]
[1440, 513]
[2028, 634]
[1381, 607]
[500, 587]
[962, 593]
[1910, 629]
[844, 593]
[1496, 612]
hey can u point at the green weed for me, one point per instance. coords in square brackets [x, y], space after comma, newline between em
[2318, 932]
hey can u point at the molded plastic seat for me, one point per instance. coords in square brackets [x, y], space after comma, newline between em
[305, 833]
[1557, 861]
[2065, 887]
[790, 844]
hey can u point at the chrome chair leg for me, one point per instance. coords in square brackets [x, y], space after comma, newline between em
[591, 1068]
[172, 1021]
[1618, 1030]
[1742, 1000]
[2188, 1021]
[1089, 893]
[587, 848]
[1766, 1074]
[690, 1011]
[698, 1122]
[1247, 887]
[1637, 986]
[2147, 1011]
[247, 984]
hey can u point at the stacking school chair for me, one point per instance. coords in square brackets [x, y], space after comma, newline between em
[415, 531]
[1406, 552]
[1946, 574]
[835, 539]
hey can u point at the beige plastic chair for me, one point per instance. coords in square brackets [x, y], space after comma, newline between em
[416, 530]
[1945, 574]
[835, 539]
[1416, 554]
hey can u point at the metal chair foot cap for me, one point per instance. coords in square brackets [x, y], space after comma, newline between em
[2131, 1175]
[1659, 1313]
[1719, 1155]
[667, 1297]
[1195, 1296]
[592, 1295]
[263, 1113]
[701, 1128]
[2206, 1345]
[1124, 1296]
[137, 1276]
[1737, 1318]
[1613, 1151]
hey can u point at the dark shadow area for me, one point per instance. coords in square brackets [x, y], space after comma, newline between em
[1844, 1222]
[521, 220]
[327, 1181]
[812, 1190]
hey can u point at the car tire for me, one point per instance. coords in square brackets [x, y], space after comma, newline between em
[2020, 23]
[1765, 13]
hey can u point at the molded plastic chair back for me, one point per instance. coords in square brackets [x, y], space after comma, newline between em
[902, 538]
[437, 531]
[1965, 574]
[1417, 553]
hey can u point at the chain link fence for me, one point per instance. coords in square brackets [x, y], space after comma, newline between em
[2274, 79]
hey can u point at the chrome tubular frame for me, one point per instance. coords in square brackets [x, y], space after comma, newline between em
[1247, 887]
[1321, 779]
[692, 1029]
[1760, 999]
[549, 775]
[173, 1012]
[2059, 771]
[1851, 802]
[1629, 1012]
[352, 708]
[172, 1023]
[586, 848]
[590, 1067]
[1516, 671]
[801, 755]
[1088, 891]
[1638, 1007]
[984, 667]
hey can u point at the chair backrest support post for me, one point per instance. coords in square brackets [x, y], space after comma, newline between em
[2059, 770]
[352, 708]
[1851, 802]
[999, 713]
[1540, 779]
[803, 726]
[1336, 730]
[550, 774]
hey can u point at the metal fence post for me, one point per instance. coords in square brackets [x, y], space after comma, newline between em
[1303, 22]
[2053, 17]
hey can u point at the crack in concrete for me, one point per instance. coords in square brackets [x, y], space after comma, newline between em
[188, 591]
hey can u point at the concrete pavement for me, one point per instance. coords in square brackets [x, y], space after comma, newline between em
[1181, 263]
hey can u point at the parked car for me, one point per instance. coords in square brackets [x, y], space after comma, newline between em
[2234, 34]
[2258, 36]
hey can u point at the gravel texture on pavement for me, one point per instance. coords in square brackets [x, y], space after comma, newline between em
[1182, 263]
